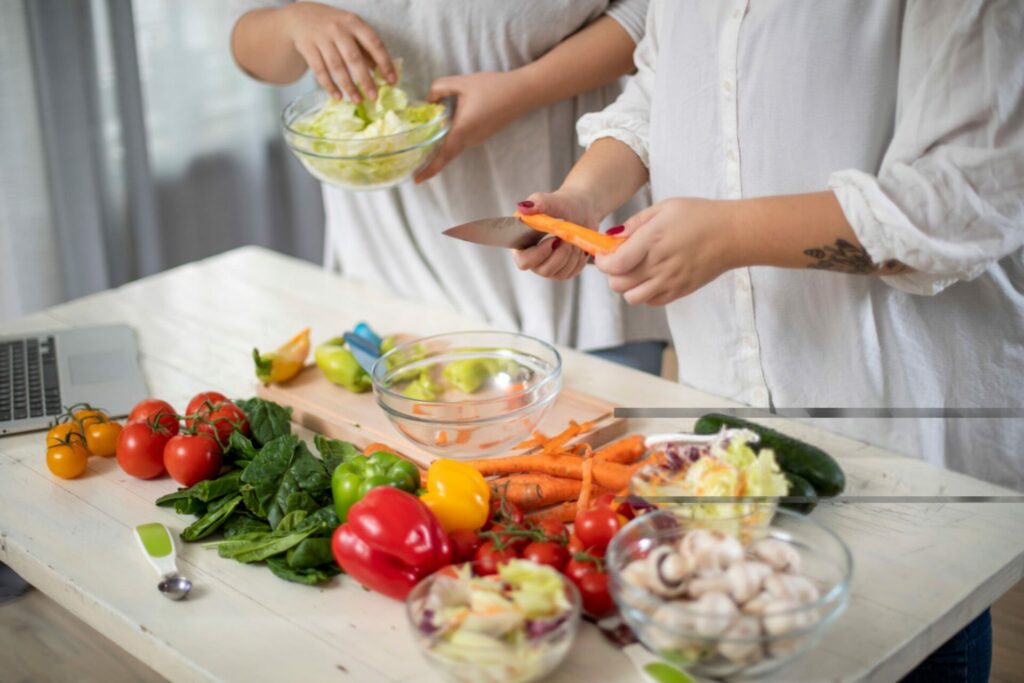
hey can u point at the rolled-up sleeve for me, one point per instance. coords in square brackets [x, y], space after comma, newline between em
[627, 118]
[239, 8]
[948, 199]
[631, 15]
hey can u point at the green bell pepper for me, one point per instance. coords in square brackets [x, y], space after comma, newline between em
[341, 367]
[356, 476]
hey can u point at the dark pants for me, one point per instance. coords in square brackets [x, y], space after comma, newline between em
[964, 658]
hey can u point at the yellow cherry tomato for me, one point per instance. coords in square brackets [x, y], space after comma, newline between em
[88, 416]
[101, 437]
[67, 461]
[64, 433]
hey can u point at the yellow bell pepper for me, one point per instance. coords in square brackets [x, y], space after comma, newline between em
[457, 494]
[284, 363]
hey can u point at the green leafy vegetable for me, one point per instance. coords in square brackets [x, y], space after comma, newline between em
[267, 420]
[211, 521]
[334, 451]
[310, 577]
[311, 552]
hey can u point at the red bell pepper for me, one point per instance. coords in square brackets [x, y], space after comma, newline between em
[390, 541]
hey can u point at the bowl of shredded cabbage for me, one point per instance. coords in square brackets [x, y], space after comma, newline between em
[367, 146]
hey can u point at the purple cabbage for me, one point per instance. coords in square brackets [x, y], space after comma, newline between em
[535, 628]
[427, 625]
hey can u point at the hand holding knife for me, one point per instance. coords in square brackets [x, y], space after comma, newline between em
[523, 231]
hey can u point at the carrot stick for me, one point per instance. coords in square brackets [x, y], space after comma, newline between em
[587, 487]
[533, 491]
[565, 466]
[590, 241]
[625, 451]
[563, 512]
[613, 475]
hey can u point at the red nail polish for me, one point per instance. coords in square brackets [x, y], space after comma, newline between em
[616, 230]
[525, 205]
[555, 242]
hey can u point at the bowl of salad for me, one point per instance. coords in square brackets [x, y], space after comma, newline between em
[511, 627]
[709, 477]
[468, 394]
[366, 146]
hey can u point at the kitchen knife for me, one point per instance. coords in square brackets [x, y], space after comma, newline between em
[522, 231]
[365, 351]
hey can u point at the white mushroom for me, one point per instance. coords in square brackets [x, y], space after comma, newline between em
[672, 622]
[712, 552]
[707, 584]
[667, 571]
[741, 642]
[782, 617]
[779, 555]
[745, 579]
[757, 603]
[793, 587]
[712, 614]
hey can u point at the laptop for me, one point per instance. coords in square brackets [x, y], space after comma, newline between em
[41, 373]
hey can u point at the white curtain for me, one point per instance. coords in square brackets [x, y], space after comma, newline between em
[138, 145]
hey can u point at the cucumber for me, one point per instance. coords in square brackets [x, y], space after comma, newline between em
[794, 456]
[798, 486]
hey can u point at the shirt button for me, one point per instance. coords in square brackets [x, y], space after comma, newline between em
[731, 154]
[727, 86]
[750, 341]
[743, 284]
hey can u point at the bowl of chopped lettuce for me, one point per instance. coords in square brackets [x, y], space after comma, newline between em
[511, 627]
[367, 146]
[709, 478]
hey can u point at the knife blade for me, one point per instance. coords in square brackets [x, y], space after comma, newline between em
[507, 232]
[366, 352]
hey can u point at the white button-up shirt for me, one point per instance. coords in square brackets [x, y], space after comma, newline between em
[913, 114]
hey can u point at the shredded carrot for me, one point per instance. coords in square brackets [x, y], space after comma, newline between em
[586, 489]
[590, 241]
[624, 451]
[442, 438]
[533, 491]
[563, 512]
[536, 439]
[462, 436]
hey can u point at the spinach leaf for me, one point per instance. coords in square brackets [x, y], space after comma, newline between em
[244, 524]
[300, 501]
[240, 448]
[211, 521]
[204, 492]
[258, 549]
[311, 552]
[267, 420]
[309, 577]
[334, 451]
[323, 522]
[189, 506]
[170, 499]
[290, 522]
[265, 473]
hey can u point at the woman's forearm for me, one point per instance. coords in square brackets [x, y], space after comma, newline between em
[801, 231]
[596, 55]
[263, 47]
[606, 176]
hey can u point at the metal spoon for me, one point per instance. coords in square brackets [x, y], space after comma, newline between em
[158, 547]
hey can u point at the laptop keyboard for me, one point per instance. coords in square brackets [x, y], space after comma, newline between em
[29, 385]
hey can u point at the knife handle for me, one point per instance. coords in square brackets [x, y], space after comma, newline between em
[591, 241]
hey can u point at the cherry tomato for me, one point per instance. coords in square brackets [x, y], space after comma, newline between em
[577, 569]
[63, 433]
[465, 543]
[88, 416]
[140, 450]
[488, 558]
[514, 540]
[67, 461]
[576, 546]
[146, 410]
[551, 553]
[205, 400]
[224, 419]
[190, 459]
[596, 526]
[605, 500]
[597, 601]
[554, 530]
[101, 438]
[505, 511]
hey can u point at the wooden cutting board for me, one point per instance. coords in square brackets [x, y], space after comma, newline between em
[338, 413]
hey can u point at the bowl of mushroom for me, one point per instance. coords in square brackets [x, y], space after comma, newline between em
[722, 600]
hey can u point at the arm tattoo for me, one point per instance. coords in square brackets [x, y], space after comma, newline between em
[848, 258]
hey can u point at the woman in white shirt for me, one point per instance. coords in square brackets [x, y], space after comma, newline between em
[522, 74]
[839, 211]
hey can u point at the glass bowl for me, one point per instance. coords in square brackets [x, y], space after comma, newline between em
[761, 644]
[530, 660]
[468, 394]
[364, 163]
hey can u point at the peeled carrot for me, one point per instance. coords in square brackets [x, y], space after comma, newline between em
[625, 451]
[563, 512]
[590, 241]
[372, 448]
[587, 487]
[613, 475]
[566, 466]
[533, 491]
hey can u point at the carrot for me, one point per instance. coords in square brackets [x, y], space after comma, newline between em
[612, 475]
[590, 241]
[566, 466]
[372, 448]
[536, 439]
[533, 491]
[586, 489]
[563, 512]
[625, 451]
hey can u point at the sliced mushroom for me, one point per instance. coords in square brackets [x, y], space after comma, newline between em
[779, 555]
[793, 587]
[745, 579]
[741, 642]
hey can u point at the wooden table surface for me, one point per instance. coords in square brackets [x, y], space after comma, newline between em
[921, 571]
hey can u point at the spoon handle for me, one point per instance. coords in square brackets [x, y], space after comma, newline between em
[158, 546]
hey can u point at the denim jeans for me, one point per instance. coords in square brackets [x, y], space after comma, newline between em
[639, 355]
[964, 658]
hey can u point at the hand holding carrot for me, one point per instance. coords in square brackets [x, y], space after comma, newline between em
[552, 258]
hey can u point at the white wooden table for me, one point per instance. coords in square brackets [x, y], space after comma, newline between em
[921, 571]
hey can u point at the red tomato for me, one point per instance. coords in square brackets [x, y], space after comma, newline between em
[553, 529]
[605, 500]
[224, 419]
[140, 450]
[505, 512]
[192, 458]
[145, 410]
[577, 569]
[515, 541]
[576, 546]
[597, 601]
[596, 526]
[547, 552]
[465, 543]
[200, 401]
[488, 558]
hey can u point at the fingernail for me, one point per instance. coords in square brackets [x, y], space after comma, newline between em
[525, 205]
[555, 242]
[616, 230]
